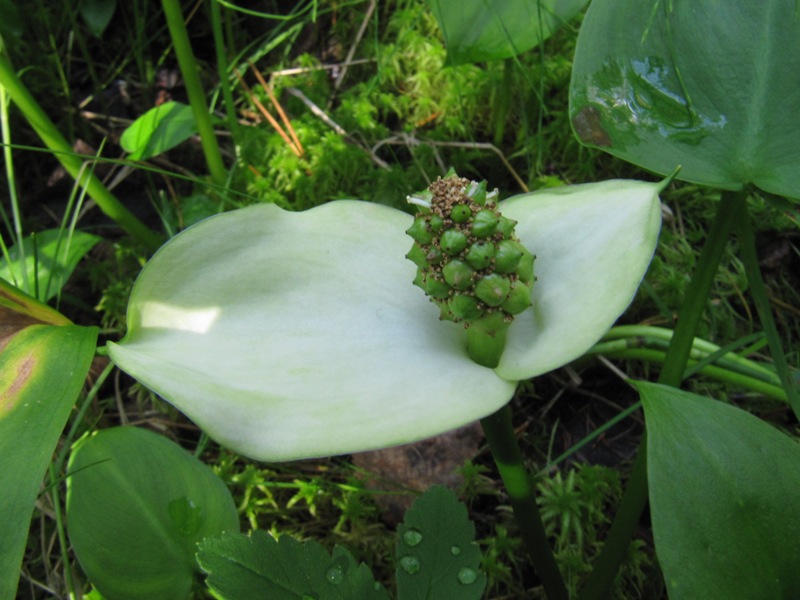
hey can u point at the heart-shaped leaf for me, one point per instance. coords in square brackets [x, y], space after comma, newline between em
[477, 30]
[723, 495]
[137, 505]
[711, 86]
[97, 14]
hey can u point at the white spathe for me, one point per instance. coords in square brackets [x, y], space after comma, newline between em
[297, 335]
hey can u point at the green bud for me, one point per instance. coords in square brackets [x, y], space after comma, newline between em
[508, 255]
[525, 268]
[453, 241]
[418, 255]
[484, 223]
[477, 192]
[420, 231]
[436, 288]
[480, 255]
[458, 275]
[505, 227]
[436, 223]
[434, 255]
[519, 298]
[419, 279]
[465, 308]
[493, 289]
[460, 213]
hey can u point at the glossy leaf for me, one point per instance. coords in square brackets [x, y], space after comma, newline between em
[436, 552]
[43, 369]
[137, 505]
[158, 130]
[723, 497]
[50, 258]
[256, 566]
[477, 30]
[711, 86]
[293, 335]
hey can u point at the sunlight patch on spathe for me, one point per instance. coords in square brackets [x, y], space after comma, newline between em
[195, 320]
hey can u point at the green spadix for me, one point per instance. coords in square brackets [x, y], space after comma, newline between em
[296, 335]
[484, 280]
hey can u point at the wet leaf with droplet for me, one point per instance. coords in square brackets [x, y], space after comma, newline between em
[437, 555]
[257, 566]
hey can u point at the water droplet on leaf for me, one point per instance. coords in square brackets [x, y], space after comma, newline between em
[466, 575]
[335, 575]
[455, 550]
[185, 515]
[412, 537]
[410, 564]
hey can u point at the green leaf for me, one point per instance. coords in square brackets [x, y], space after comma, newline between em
[249, 567]
[43, 368]
[159, 129]
[477, 30]
[294, 335]
[10, 24]
[711, 86]
[18, 310]
[137, 505]
[723, 497]
[97, 14]
[436, 552]
[50, 258]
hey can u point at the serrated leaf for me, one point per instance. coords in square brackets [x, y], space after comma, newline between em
[477, 30]
[250, 567]
[42, 370]
[436, 552]
[159, 129]
[723, 498]
[137, 505]
[97, 14]
[50, 258]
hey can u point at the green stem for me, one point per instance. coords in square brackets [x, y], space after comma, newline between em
[222, 67]
[61, 533]
[720, 374]
[73, 164]
[661, 337]
[747, 245]
[730, 211]
[522, 494]
[197, 96]
[16, 228]
[486, 340]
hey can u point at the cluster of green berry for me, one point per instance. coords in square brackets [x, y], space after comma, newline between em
[468, 260]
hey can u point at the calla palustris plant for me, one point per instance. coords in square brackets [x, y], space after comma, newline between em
[296, 335]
